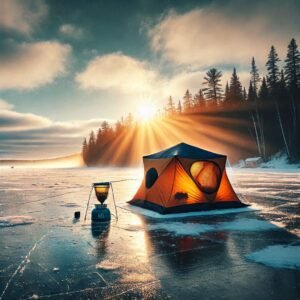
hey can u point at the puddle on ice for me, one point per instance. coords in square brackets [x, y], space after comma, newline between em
[15, 221]
[278, 256]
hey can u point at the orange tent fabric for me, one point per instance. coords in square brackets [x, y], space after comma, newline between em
[185, 178]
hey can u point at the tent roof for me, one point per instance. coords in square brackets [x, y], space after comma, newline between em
[186, 151]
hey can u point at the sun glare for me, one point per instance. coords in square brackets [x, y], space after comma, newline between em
[146, 111]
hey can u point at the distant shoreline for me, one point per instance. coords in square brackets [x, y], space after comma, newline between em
[69, 160]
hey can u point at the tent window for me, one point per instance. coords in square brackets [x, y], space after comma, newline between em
[207, 175]
[151, 177]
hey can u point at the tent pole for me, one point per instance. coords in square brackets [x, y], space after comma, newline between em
[114, 200]
[87, 206]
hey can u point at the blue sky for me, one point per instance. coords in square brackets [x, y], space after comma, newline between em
[65, 65]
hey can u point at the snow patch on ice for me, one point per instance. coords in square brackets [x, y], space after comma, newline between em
[278, 256]
[156, 215]
[180, 228]
[15, 220]
[248, 225]
[183, 228]
[107, 265]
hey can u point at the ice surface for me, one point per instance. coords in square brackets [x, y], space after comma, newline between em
[15, 220]
[138, 257]
[278, 256]
[196, 229]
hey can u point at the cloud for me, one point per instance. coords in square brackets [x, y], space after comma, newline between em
[230, 33]
[177, 84]
[28, 135]
[117, 72]
[22, 16]
[32, 65]
[4, 105]
[70, 30]
[12, 121]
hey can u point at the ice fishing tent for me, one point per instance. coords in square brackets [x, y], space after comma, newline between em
[185, 178]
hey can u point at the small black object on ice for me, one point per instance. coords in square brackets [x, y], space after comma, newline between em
[77, 214]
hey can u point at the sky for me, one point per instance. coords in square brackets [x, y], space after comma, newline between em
[67, 65]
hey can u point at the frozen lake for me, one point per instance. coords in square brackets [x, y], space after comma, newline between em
[45, 254]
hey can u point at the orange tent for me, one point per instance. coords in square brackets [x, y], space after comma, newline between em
[185, 178]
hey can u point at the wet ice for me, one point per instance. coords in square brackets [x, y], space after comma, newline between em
[141, 256]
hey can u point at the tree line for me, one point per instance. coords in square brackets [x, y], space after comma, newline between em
[268, 111]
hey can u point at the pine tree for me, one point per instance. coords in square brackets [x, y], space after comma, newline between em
[227, 92]
[213, 82]
[98, 138]
[187, 101]
[292, 65]
[272, 68]
[199, 99]
[179, 107]
[282, 81]
[104, 127]
[280, 105]
[119, 127]
[251, 94]
[255, 79]
[84, 151]
[261, 118]
[92, 140]
[92, 148]
[235, 88]
[263, 92]
[170, 106]
[244, 95]
[129, 121]
[292, 72]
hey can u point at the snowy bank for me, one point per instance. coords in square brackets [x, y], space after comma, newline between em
[278, 161]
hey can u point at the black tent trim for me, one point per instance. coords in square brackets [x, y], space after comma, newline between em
[187, 207]
[185, 151]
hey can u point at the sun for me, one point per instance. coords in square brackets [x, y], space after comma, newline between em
[146, 111]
